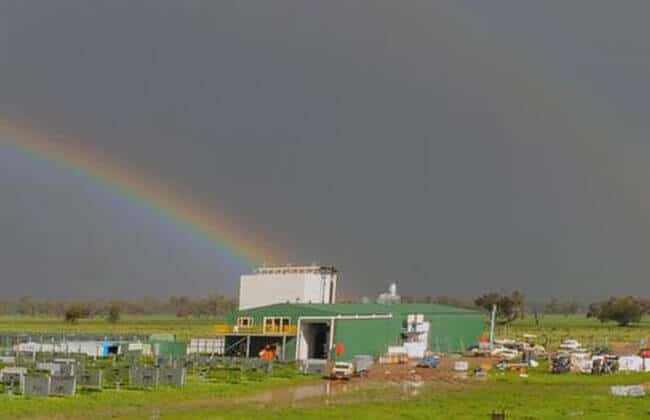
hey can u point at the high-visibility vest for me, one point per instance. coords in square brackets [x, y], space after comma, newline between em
[340, 349]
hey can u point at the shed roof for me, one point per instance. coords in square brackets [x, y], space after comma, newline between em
[364, 308]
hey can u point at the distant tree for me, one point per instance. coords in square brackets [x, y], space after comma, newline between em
[571, 307]
[5, 308]
[509, 307]
[73, 313]
[114, 311]
[645, 305]
[199, 308]
[451, 301]
[85, 310]
[439, 300]
[217, 305]
[595, 311]
[182, 306]
[487, 300]
[553, 306]
[213, 305]
[26, 306]
[622, 310]
[519, 303]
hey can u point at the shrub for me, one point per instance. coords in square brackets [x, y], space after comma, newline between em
[622, 310]
[73, 313]
[114, 312]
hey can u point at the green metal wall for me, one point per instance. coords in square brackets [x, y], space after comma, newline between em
[290, 349]
[167, 348]
[366, 336]
[452, 333]
[447, 333]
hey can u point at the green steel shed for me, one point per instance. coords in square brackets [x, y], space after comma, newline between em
[314, 330]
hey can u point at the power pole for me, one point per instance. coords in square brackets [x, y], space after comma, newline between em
[492, 319]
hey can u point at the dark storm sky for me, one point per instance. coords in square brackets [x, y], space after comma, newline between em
[450, 146]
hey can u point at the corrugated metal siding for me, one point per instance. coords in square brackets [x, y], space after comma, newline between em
[450, 333]
[290, 349]
[166, 348]
[395, 308]
[366, 336]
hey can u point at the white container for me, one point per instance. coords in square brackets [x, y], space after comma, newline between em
[630, 364]
[422, 328]
[628, 391]
[461, 366]
[206, 345]
[581, 362]
[646, 364]
[396, 350]
[135, 347]
[415, 350]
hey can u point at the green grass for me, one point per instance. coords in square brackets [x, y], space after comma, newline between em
[144, 325]
[589, 331]
[137, 403]
[541, 396]
[554, 327]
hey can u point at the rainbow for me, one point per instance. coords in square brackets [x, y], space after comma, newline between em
[226, 233]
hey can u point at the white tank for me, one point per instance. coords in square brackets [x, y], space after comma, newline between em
[392, 289]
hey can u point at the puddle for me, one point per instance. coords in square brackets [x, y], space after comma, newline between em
[334, 392]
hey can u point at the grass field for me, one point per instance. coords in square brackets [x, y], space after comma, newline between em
[556, 328]
[541, 396]
[135, 403]
[144, 325]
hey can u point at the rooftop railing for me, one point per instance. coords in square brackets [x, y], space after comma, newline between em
[256, 329]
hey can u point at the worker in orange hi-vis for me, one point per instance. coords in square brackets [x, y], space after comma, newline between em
[340, 349]
[268, 355]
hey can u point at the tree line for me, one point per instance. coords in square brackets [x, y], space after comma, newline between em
[211, 306]
[512, 305]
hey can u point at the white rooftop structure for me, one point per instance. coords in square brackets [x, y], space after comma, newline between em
[297, 284]
[391, 296]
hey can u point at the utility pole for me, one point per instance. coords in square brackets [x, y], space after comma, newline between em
[492, 319]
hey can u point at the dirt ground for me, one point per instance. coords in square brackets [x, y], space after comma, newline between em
[410, 372]
[624, 349]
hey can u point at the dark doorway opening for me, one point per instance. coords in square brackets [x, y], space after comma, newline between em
[317, 338]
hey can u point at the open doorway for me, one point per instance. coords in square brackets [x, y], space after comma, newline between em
[314, 340]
